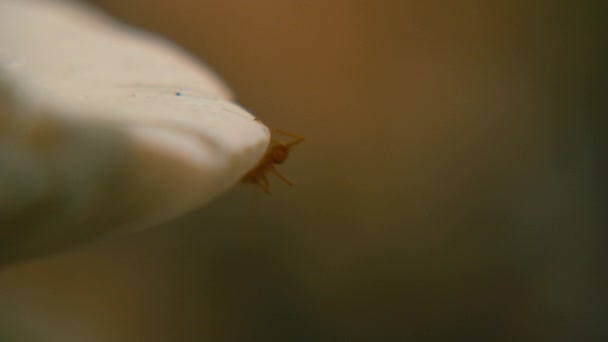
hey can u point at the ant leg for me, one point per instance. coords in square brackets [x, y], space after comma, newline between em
[280, 175]
[263, 182]
[298, 138]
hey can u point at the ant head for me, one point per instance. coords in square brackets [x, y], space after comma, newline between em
[279, 154]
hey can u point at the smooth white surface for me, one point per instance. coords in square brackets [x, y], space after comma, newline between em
[104, 128]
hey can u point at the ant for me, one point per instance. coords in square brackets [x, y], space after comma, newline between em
[276, 153]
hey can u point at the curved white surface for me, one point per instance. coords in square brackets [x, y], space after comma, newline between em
[104, 128]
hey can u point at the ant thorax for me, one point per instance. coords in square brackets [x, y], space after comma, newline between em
[277, 153]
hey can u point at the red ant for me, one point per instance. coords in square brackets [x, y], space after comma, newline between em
[276, 153]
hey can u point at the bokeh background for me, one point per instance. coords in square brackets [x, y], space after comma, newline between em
[451, 186]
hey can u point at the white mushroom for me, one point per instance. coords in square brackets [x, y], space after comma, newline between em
[106, 129]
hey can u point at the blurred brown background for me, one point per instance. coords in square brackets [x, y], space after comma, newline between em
[450, 188]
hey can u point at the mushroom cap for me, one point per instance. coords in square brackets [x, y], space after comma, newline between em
[106, 129]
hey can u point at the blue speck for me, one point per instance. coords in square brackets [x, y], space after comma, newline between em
[178, 94]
